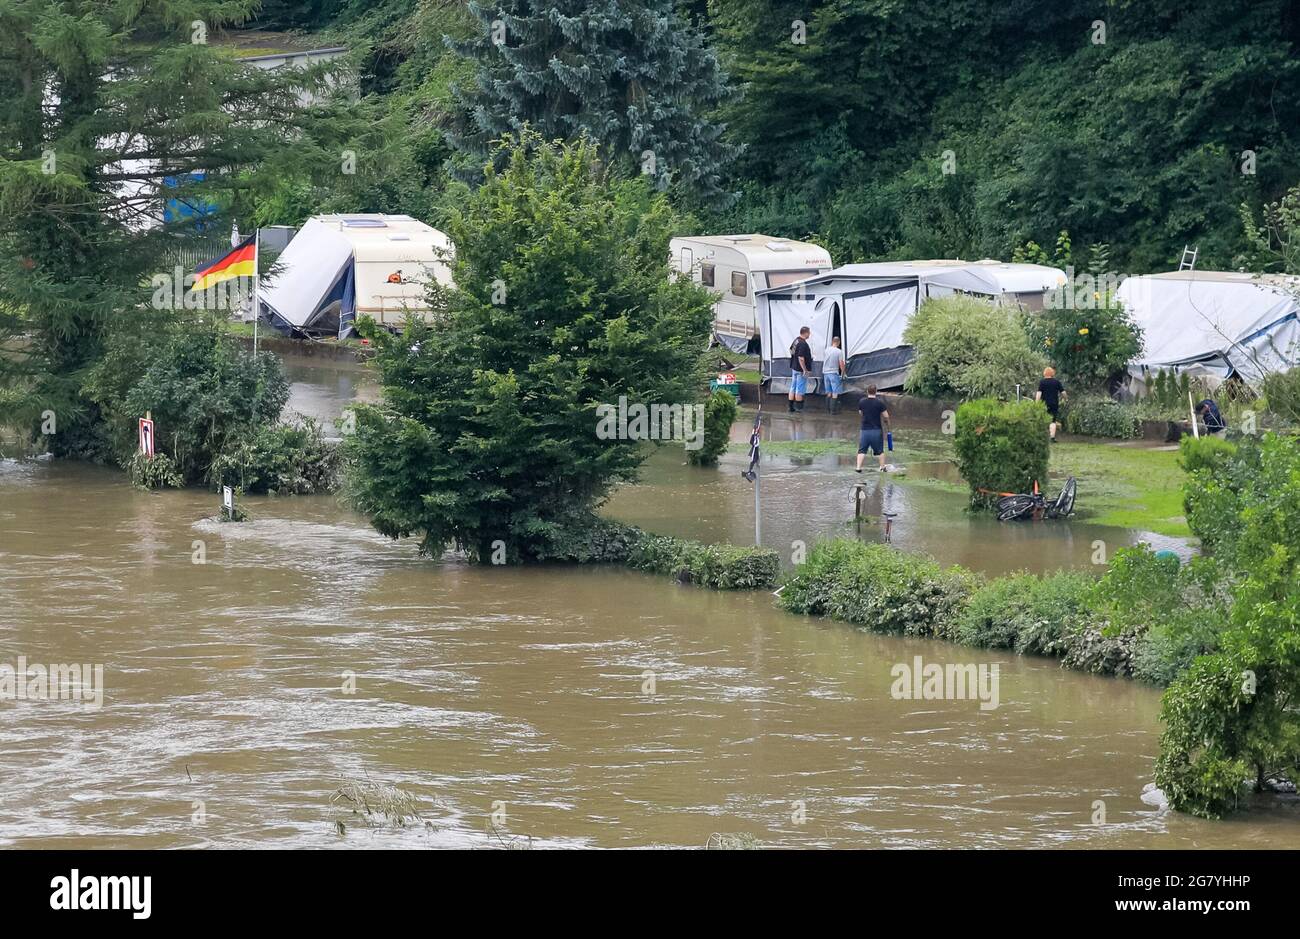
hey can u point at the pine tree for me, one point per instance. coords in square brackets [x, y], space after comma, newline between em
[105, 111]
[632, 75]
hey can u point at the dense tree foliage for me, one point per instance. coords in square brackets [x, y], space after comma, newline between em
[1231, 719]
[935, 128]
[632, 75]
[106, 110]
[487, 436]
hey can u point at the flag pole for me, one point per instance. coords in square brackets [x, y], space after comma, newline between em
[257, 280]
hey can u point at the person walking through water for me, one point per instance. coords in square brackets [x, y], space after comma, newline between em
[1050, 392]
[833, 375]
[800, 368]
[875, 422]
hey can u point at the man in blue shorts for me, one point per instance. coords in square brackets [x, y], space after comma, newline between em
[875, 423]
[833, 375]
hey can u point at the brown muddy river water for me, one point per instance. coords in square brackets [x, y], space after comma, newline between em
[594, 707]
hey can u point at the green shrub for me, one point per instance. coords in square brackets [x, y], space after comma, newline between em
[873, 585]
[1207, 453]
[1026, 613]
[280, 458]
[968, 348]
[1087, 346]
[719, 414]
[1001, 447]
[1282, 394]
[158, 473]
[1231, 718]
[1101, 416]
[721, 567]
[206, 393]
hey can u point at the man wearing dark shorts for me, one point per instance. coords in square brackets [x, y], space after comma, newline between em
[875, 422]
[1050, 391]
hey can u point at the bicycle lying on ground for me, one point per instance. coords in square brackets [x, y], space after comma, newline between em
[1014, 506]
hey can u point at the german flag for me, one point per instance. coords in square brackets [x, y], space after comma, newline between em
[238, 263]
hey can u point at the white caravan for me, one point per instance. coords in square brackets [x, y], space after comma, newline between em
[736, 268]
[339, 267]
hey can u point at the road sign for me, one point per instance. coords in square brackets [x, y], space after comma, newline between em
[146, 437]
[228, 500]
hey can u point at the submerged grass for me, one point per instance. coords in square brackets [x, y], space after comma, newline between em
[1123, 485]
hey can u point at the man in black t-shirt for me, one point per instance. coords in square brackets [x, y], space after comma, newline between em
[1050, 392]
[800, 369]
[875, 422]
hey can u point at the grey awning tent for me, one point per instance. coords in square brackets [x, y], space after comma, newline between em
[869, 307]
[1214, 324]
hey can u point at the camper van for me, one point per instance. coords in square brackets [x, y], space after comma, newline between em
[736, 267]
[339, 267]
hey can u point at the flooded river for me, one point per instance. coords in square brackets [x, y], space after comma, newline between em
[595, 707]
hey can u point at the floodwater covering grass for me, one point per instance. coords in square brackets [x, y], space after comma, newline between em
[1126, 485]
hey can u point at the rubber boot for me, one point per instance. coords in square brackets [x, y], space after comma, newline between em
[791, 400]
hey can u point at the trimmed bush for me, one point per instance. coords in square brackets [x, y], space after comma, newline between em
[1101, 416]
[875, 586]
[968, 348]
[721, 567]
[719, 414]
[1002, 446]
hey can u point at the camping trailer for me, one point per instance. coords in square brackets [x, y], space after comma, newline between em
[1214, 324]
[736, 268]
[339, 267]
[869, 306]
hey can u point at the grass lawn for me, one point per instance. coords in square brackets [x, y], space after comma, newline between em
[1133, 487]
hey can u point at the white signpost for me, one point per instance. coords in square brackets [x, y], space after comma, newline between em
[146, 437]
[228, 501]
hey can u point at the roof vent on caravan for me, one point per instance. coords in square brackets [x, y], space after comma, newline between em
[778, 246]
[363, 221]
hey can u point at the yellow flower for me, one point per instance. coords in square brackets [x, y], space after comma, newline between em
[1083, 331]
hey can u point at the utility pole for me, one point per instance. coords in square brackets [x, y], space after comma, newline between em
[751, 474]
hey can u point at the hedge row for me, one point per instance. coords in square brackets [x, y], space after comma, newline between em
[1094, 625]
[718, 566]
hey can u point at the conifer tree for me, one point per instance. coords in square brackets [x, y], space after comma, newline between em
[633, 75]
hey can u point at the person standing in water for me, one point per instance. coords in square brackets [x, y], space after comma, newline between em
[875, 423]
[1050, 392]
[800, 367]
[833, 375]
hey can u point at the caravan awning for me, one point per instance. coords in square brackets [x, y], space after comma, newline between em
[306, 275]
[1214, 323]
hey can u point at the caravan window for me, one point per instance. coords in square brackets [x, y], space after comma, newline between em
[738, 285]
[706, 275]
[781, 278]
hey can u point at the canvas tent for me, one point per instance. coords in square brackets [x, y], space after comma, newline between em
[339, 267]
[1214, 324]
[869, 306]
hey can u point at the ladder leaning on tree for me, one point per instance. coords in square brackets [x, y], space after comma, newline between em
[1189, 258]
